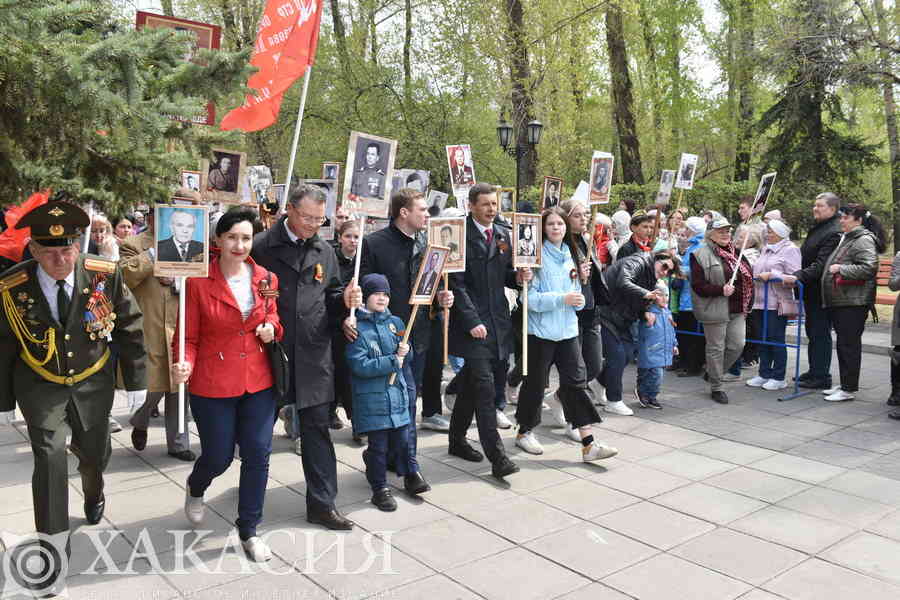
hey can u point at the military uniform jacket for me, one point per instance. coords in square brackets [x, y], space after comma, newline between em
[83, 376]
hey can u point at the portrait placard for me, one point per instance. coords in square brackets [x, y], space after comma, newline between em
[450, 232]
[206, 36]
[462, 169]
[329, 188]
[438, 199]
[763, 193]
[367, 179]
[601, 177]
[416, 179]
[374, 224]
[526, 240]
[277, 196]
[222, 176]
[687, 169]
[190, 180]
[666, 182]
[182, 241]
[506, 199]
[429, 274]
[331, 170]
[259, 179]
[553, 188]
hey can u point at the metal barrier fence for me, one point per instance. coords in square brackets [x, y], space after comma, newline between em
[764, 341]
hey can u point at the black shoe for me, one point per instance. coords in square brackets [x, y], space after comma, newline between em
[93, 511]
[816, 383]
[465, 452]
[720, 397]
[335, 422]
[139, 438]
[154, 413]
[894, 400]
[185, 455]
[802, 376]
[503, 467]
[330, 519]
[415, 484]
[653, 403]
[687, 373]
[384, 500]
[391, 467]
[894, 415]
[705, 376]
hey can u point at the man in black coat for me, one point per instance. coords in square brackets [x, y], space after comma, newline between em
[396, 252]
[481, 328]
[823, 238]
[310, 290]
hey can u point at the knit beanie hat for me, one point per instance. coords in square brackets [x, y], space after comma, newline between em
[374, 283]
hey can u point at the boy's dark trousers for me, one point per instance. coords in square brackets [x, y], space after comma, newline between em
[375, 456]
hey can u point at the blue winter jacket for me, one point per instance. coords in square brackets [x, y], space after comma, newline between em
[549, 318]
[372, 359]
[684, 300]
[655, 344]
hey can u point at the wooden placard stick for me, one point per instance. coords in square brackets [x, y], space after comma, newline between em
[406, 334]
[524, 328]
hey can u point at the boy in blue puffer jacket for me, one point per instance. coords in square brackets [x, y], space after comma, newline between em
[380, 409]
[657, 346]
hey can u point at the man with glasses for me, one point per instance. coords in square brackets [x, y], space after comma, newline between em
[311, 293]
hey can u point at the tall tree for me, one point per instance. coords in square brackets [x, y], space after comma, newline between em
[623, 101]
[522, 100]
[656, 98]
[407, 53]
[745, 74]
[890, 109]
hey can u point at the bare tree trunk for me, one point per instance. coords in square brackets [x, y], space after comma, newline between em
[655, 95]
[745, 120]
[167, 8]
[522, 101]
[340, 36]
[890, 117]
[623, 102]
[407, 61]
[575, 53]
[373, 37]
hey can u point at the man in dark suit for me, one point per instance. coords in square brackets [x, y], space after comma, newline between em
[54, 363]
[461, 173]
[311, 294]
[481, 328]
[181, 247]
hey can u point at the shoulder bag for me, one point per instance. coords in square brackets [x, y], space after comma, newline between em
[277, 356]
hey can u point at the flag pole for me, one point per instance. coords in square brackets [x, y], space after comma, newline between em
[290, 171]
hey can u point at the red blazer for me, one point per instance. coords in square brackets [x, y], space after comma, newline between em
[228, 357]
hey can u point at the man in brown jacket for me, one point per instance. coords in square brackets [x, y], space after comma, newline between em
[158, 299]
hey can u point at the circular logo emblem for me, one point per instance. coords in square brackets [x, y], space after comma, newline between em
[57, 230]
[34, 565]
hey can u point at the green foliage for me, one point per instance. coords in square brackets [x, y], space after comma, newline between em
[84, 101]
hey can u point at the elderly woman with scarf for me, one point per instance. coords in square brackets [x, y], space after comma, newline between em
[779, 257]
[720, 304]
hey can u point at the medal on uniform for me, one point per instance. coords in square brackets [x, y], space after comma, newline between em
[393, 328]
[99, 317]
[320, 272]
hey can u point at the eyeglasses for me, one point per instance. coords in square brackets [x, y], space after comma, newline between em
[309, 219]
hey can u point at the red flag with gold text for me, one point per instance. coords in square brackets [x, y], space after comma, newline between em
[285, 46]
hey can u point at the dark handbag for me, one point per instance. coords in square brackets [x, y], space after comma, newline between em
[278, 358]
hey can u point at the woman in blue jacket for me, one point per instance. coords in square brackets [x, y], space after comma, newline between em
[693, 347]
[380, 409]
[554, 297]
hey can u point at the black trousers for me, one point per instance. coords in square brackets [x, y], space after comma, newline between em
[515, 375]
[691, 348]
[751, 350]
[434, 370]
[849, 323]
[477, 398]
[318, 457]
[591, 350]
[566, 355]
[895, 375]
[50, 479]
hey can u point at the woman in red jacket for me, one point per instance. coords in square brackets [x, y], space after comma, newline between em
[229, 318]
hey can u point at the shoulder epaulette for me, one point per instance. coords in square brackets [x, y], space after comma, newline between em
[101, 265]
[14, 279]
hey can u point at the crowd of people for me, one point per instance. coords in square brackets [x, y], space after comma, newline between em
[673, 293]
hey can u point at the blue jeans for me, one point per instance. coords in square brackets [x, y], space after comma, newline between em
[818, 330]
[412, 366]
[772, 359]
[222, 422]
[375, 456]
[648, 382]
[614, 363]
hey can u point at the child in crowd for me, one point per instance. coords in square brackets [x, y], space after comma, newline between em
[380, 408]
[657, 346]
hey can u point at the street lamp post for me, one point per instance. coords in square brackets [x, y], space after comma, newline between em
[517, 151]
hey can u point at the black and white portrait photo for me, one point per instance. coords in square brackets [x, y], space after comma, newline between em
[260, 179]
[429, 275]
[763, 192]
[552, 191]
[331, 170]
[182, 243]
[437, 199]
[666, 181]
[450, 232]
[601, 177]
[190, 180]
[526, 229]
[367, 180]
[414, 179]
[223, 176]
[507, 198]
[526, 240]
[686, 172]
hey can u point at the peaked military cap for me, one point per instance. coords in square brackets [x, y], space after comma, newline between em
[55, 223]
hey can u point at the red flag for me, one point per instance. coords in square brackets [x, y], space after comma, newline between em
[13, 241]
[285, 46]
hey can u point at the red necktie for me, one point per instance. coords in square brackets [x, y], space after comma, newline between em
[489, 235]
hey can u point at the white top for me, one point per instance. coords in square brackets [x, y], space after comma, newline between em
[242, 289]
[48, 286]
[482, 228]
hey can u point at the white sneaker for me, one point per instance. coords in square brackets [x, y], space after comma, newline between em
[256, 549]
[840, 396]
[529, 443]
[449, 401]
[597, 451]
[193, 507]
[757, 381]
[572, 433]
[502, 421]
[774, 384]
[618, 408]
[599, 393]
[512, 395]
[556, 409]
[436, 423]
[833, 390]
[298, 447]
